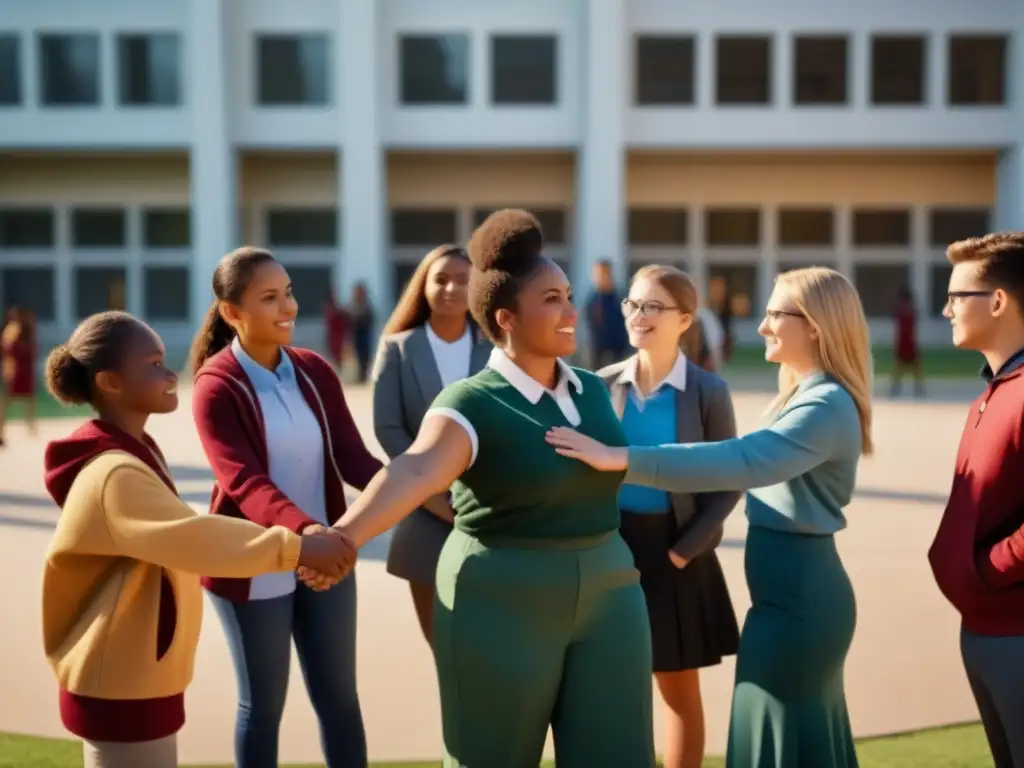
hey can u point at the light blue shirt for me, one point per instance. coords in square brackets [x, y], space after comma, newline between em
[295, 449]
[650, 422]
[802, 467]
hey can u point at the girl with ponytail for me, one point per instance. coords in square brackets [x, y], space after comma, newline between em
[281, 442]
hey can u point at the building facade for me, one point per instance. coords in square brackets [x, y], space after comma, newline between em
[141, 141]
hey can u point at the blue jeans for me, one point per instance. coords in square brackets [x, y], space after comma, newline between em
[323, 625]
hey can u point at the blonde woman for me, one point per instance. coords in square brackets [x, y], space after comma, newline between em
[789, 707]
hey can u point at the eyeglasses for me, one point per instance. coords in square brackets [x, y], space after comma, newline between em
[647, 308]
[952, 296]
[775, 314]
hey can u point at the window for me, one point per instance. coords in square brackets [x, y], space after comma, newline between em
[98, 289]
[947, 225]
[881, 229]
[897, 70]
[819, 70]
[744, 71]
[736, 287]
[291, 70]
[658, 226]
[664, 70]
[310, 285]
[98, 228]
[166, 293]
[939, 289]
[166, 228]
[553, 221]
[977, 69]
[10, 70]
[523, 69]
[402, 274]
[803, 227]
[423, 227]
[879, 286]
[732, 227]
[303, 228]
[149, 70]
[27, 228]
[31, 287]
[69, 69]
[435, 69]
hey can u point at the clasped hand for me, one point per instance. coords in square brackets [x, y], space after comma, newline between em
[327, 556]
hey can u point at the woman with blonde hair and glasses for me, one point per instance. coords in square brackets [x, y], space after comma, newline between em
[789, 706]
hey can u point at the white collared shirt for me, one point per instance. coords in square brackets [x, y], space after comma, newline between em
[451, 357]
[676, 379]
[529, 388]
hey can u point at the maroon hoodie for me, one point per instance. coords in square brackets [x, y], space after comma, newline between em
[230, 424]
[109, 719]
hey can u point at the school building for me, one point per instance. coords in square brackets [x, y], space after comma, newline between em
[140, 141]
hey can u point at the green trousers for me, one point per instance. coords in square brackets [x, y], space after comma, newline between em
[527, 637]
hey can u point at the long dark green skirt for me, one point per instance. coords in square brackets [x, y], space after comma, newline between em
[789, 706]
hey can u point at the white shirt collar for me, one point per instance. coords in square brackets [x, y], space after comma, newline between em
[435, 339]
[528, 386]
[676, 377]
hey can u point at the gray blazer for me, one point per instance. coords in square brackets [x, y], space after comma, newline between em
[704, 413]
[405, 383]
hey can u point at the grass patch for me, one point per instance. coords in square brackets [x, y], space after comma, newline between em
[938, 362]
[961, 746]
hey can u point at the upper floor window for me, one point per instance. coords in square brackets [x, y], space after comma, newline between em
[69, 69]
[553, 221]
[658, 226]
[743, 69]
[805, 227]
[10, 70]
[881, 228]
[423, 227]
[166, 228]
[435, 69]
[977, 69]
[27, 228]
[149, 68]
[947, 225]
[523, 69]
[819, 70]
[302, 227]
[292, 70]
[664, 69]
[897, 69]
[732, 227]
[99, 228]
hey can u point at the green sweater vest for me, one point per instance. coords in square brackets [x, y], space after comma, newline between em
[518, 487]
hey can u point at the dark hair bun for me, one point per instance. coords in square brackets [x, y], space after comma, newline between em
[506, 239]
[66, 378]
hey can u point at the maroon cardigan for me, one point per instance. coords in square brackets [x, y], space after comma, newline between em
[228, 418]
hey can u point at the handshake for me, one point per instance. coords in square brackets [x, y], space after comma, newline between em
[327, 556]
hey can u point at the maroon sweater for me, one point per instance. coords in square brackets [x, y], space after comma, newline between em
[978, 553]
[121, 720]
[230, 424]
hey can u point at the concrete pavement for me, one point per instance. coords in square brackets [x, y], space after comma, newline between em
[904, 670]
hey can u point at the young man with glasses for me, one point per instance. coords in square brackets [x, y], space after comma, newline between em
[977, 557]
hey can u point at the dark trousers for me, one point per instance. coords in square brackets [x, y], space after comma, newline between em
[260, 634]
[995, 670]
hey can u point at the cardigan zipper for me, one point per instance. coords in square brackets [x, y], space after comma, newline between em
[327, 425]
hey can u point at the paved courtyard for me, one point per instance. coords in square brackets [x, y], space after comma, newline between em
[904, 671]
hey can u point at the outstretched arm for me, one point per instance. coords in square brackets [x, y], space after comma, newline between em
[441, 452]
[799, 441]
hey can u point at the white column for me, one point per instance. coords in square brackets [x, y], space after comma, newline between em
[601, 161]
[363, 182]
[1009, 204]
[212, 163]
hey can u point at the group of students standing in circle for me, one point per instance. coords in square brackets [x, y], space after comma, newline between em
[557, 527]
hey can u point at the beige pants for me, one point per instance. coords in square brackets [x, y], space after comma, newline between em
[161, 753]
